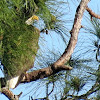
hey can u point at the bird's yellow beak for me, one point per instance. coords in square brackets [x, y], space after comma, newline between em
[32, 19]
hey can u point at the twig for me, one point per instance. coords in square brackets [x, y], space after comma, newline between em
[92, 13]
[10, 94]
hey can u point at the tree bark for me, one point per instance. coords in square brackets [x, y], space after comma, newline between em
[10, 94]
[59, 64]
[74, 34]
[92, 13]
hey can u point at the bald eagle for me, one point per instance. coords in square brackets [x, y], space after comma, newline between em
[20, 47]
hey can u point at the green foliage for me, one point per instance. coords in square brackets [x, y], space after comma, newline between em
[44, 13]
[19, 42]
[67, 87]
[75, 83]
[96, 26]
[98, 97]
[55, 77]
[98, 74]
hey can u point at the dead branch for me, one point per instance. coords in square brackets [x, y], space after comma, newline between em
[92, 13]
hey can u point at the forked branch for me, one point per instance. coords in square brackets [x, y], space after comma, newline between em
[10, 94]
[59, 64]
[92, 13]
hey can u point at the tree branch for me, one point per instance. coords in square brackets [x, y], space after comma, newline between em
[10, 94]
[92, 13]
[84, 96]
[59, 64]
[74, 33]
[41, 73]
[93, 89]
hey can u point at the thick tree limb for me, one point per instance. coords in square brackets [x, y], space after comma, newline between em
[41, 73]
[59, 64]
[74, 34]
[92, 13]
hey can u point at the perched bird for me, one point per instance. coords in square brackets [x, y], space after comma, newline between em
[19, 58]
[32, 19]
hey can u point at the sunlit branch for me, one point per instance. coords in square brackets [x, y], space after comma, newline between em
[41, 73]
[10, 94]
[92, 13]
[59, 64]
[84, 96]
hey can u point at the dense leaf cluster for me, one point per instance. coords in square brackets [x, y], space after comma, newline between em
[19, 41]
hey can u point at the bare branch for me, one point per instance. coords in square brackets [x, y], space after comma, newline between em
[10, 94]
[74, 33]
[47, 94]
[92, 13]
[59, 64]
[41, 73]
